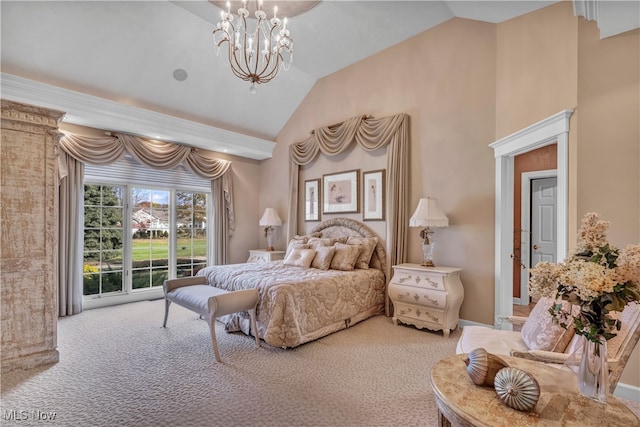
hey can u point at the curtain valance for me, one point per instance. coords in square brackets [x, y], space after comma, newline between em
[370, 134]
[104, 150]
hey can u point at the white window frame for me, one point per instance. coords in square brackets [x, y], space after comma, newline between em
[95, 175]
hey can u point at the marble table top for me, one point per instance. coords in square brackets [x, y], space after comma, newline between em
[560, 404]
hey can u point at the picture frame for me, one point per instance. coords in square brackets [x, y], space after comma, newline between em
[341, 192]
[374, 195]
[312, 200]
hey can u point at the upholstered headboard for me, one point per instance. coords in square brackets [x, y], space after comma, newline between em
[341, 227]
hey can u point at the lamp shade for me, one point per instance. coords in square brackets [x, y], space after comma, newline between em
[428, 214]
[270, 218]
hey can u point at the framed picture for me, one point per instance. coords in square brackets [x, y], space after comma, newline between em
[373, 195]
[341, 192]
[312, 200]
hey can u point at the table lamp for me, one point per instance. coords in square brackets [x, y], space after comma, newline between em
[428, 215]
[270, 219]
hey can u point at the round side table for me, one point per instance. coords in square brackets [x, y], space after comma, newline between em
[462, 403]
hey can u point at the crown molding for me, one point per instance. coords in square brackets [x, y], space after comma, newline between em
[612, 17]
[586, 8]
[87, 110]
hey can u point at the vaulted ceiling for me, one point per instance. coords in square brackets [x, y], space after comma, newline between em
[110, 64]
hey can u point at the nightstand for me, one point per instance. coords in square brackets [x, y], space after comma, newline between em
[263, 255]
[426, 297]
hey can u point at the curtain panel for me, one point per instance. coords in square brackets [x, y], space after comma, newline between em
[370, 134]
[75, 150]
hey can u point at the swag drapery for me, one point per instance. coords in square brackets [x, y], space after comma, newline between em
[370, 134]
[75, 150]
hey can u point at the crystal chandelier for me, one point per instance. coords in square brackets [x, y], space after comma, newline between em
[254, 54]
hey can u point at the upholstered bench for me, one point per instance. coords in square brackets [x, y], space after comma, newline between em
[210, 302]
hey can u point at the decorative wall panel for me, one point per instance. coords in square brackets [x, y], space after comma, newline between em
[28, 214]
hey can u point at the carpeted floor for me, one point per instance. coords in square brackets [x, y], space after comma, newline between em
[119, 367]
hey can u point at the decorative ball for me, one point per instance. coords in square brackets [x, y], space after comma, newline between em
[517, 389]
[483, 366]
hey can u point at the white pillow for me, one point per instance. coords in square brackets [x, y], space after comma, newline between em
[300, 257]
[540, 332]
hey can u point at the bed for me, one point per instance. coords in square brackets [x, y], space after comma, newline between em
[299, 304]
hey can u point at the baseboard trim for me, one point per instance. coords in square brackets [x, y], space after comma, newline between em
[109, 300]
[462, 323]
[626, 391]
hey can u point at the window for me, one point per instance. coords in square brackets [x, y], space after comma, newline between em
[150, 237]
[192, 232]
[142, 227]
[103, 239]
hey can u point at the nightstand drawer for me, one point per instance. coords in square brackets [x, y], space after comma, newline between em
[403, 311]
[260, 255]
[419, 278]
[416, 295]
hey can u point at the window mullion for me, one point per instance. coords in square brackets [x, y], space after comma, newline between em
[173, 233]
[128, 241]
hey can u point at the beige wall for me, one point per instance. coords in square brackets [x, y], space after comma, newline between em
[550, 60]
[445, 80]
[536, 67]
[466, 84]
[608, 149]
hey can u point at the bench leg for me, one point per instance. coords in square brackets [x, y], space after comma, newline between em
[254, 325]
[167, 303]
[212, 327]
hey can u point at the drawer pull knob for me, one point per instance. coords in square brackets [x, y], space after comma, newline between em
[434, 284]
[416, 297]
[404, 279]
[434, 318]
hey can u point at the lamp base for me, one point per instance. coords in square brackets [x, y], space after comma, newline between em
[270, 240]
[427, 252]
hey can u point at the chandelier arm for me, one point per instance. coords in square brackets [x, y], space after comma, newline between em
[246, 68]
[257, 55]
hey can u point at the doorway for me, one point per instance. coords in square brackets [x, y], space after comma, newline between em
[539, 238]
[554, 129]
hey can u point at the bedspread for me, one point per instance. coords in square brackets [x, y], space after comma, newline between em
[298, 304]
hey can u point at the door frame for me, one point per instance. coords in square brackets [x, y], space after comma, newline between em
[525, 240]
[554, 129]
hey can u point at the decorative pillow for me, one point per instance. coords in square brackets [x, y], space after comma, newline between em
[300, 257]
[368, 246]
[314, 242]
[540, 332]
[345, 257]
[296, 244]
[324, 255]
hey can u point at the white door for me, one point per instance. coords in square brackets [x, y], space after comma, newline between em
[543, 220]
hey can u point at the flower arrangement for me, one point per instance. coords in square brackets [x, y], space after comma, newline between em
[597, 277]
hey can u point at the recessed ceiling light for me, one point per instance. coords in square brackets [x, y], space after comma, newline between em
[180, 75]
